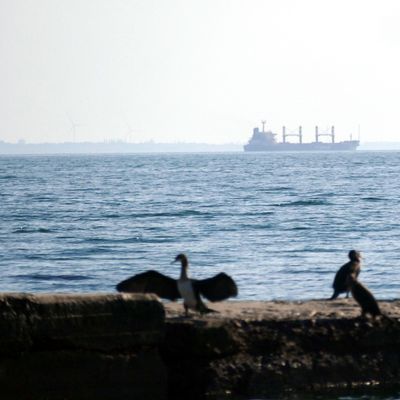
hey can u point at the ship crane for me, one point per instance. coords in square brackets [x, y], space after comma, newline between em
[299, 134]
[331, 134]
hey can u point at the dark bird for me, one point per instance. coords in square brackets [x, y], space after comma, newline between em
[363, 297]
[340, 283]
[216, 288]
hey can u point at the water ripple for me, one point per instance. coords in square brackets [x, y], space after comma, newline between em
[46, 277]
[280, 224]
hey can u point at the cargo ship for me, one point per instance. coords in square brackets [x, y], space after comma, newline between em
[266, 141]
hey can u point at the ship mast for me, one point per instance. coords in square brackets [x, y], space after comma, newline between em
[263, 125]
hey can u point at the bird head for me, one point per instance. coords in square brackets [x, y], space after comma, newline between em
[355, 255]
[182, 258]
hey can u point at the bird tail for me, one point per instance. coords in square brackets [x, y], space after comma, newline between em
[335, 294]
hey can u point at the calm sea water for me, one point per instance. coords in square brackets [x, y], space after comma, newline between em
[280, 224]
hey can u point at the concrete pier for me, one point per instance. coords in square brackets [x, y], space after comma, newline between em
[81, 347]
[115, 346]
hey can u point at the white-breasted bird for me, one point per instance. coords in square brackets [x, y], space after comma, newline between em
[217, 288]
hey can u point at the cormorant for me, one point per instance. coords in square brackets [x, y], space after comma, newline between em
[363, 297]
[340, 283]
[216, 288]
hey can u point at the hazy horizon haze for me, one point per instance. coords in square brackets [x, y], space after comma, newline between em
[195, 71]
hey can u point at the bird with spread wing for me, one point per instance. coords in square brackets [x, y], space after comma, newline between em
[217, 288]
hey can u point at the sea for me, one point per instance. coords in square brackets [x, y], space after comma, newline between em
[280, 224]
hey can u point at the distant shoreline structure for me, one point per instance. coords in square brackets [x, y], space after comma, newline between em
[121, 147]
[114, 147]
[262, 140]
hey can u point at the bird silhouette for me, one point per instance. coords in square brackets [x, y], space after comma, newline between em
[217, 288]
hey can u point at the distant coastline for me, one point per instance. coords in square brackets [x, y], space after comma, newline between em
[114, 147]
[145, 147]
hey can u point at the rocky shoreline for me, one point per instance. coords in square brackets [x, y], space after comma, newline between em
[264, 349]
[133, 346]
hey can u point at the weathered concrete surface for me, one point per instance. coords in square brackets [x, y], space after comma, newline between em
[74, 347]
[264, 349]
[84, 321]
[81, 347]
[285, 310]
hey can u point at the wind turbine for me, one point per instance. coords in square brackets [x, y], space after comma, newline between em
[129, 130]
[74, 125]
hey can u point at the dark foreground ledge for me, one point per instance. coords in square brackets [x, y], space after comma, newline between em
[75, 347]
[267, 349]
[131, 347]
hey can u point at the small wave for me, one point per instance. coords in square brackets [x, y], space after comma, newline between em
[44, 230]
[44, 198]
[35, 257]
[159, 240]
[303, 203]
[8, 177]
[253, 214]
[85, 253]
[256, 226]
[112, 215]
[275, 189]
[47, 277]
[24, 229]
[243, 214]
[294, 271]
[184, 213]
[134, 239]
[372, 198]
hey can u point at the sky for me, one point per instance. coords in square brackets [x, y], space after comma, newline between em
[197, 70]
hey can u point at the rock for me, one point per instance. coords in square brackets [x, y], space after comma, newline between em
[101, 322]
[73, 347]
[268, 349]
[83, 375]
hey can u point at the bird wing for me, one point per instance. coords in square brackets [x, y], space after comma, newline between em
[216, 288]
[339, 282]
[151, 282]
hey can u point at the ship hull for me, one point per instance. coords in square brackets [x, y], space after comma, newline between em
[349, 145]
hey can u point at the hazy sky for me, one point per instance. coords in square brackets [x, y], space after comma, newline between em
[197, 71]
